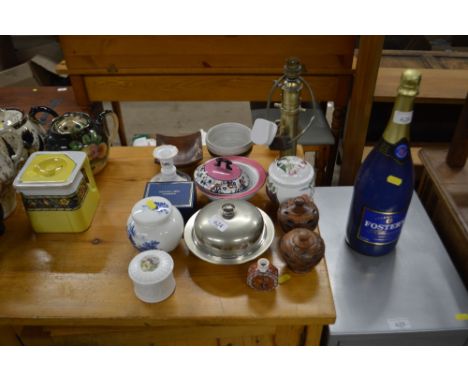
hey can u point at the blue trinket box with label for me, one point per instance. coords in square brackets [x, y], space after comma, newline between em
[181, 194]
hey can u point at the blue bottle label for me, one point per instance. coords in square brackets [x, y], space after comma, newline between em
[380, 228]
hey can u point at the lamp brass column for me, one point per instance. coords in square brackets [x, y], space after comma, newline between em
[290, 105]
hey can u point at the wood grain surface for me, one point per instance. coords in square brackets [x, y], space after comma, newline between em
[360, 107]
[444, 193]
[205, 54]
[53, 282]
[61, 99]
[437, 85]
[195, 87]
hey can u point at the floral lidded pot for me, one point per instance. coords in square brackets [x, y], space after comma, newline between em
[155, 223]
[289, 177]
[79, 132]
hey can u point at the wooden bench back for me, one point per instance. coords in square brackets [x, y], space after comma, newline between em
[205, 68]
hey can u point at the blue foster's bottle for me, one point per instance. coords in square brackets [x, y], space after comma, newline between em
[385, 182]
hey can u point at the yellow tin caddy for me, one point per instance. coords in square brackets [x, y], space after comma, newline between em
[58, 190]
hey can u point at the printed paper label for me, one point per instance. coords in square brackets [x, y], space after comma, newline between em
[380, 228]
[399, 323]
[402, 117]
[219, 223]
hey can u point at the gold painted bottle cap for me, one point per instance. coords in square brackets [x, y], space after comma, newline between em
[409, 82]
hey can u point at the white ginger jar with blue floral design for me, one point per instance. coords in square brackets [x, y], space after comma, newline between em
[155, 224]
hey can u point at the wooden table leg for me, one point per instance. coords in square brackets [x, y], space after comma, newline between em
[118, 110]
[337, 126]
[314, 333]
[79, 88]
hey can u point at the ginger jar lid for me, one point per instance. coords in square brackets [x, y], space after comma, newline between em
[291, 171]
[151, 211]
[50, 168]
[150, 267]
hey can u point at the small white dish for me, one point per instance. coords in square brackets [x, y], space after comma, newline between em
[151, 273]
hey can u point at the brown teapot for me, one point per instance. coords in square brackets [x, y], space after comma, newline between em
[302, 249]
[298, 212]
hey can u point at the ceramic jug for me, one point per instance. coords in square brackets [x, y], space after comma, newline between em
[29, 128]
[79, 132]
[12, 157]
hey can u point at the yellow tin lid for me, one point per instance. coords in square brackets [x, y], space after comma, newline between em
[50, 168]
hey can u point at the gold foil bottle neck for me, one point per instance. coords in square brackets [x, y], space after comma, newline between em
[409, 83]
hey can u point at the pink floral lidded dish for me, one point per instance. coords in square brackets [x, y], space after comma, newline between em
[232, 177]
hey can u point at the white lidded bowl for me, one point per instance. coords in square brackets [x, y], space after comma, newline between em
[289, 177]
[229, 138]
[151, 273]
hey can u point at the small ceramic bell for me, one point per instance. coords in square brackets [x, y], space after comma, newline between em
[299, 212]
[262, 275]
[302, 249]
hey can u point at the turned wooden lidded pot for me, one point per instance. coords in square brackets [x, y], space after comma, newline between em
[298, 212]
[302, 249]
